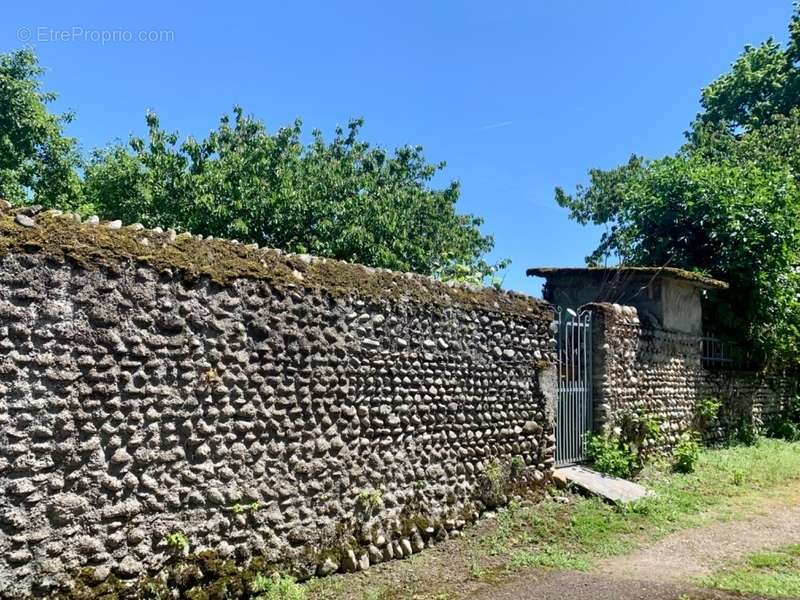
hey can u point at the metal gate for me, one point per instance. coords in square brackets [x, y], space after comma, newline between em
[574, 411]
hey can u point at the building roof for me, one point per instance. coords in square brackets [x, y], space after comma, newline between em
[609, 273]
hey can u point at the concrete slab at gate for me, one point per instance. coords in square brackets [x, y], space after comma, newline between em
[605, 486]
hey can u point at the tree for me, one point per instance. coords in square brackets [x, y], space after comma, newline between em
[37, 161]
[726, 204]
[763, 83]
[342, 199]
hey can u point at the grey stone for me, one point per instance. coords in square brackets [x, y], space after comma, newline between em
[19, 557]
[387, 553]
[63, 509]
[120, 456]
[327, 567]
[129, 567]
[24, 220]
[100, 574]
[349, 562]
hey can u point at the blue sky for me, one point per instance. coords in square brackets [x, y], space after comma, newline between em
[517, 97]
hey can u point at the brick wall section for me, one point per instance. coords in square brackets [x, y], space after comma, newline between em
[257, 418]
[638, 368]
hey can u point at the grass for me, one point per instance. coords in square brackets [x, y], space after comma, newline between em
[576, 534]
[279, 588]
[539, 532]
[775, 574]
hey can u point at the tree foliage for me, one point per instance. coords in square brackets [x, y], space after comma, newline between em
[763, 82]
[341, 198]
[727, 203]
[36, 158]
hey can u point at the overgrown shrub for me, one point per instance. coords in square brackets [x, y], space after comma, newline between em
[786, 424]
[687, 452]
[494, 484]
[277, 588]
[639, 430]
[612, 455]
[706, 412]
[746, 434]
[783, 430]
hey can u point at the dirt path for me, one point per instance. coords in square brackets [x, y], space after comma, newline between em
[664, 571]
[569, 585]
[701, 551]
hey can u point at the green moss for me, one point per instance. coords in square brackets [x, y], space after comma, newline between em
[222, 262]
[415, 522]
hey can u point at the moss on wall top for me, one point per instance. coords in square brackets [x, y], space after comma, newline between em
[103, 245]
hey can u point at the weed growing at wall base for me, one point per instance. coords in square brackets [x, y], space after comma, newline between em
[370, 499]
[611, 455]
[706, 412]
[786, 424]
[277, 587]
[687, 453]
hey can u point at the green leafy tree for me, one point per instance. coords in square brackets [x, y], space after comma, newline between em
[343, 199]
[37, 161]
[726, 204]
[763, 82]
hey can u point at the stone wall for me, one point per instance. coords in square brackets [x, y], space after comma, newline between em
[305, 410]
[748, 397]
[639, 368]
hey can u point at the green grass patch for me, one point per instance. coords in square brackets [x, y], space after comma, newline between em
[277, 588]
[576, 534]
[769, 560]
[549, 556]
[775, 574]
